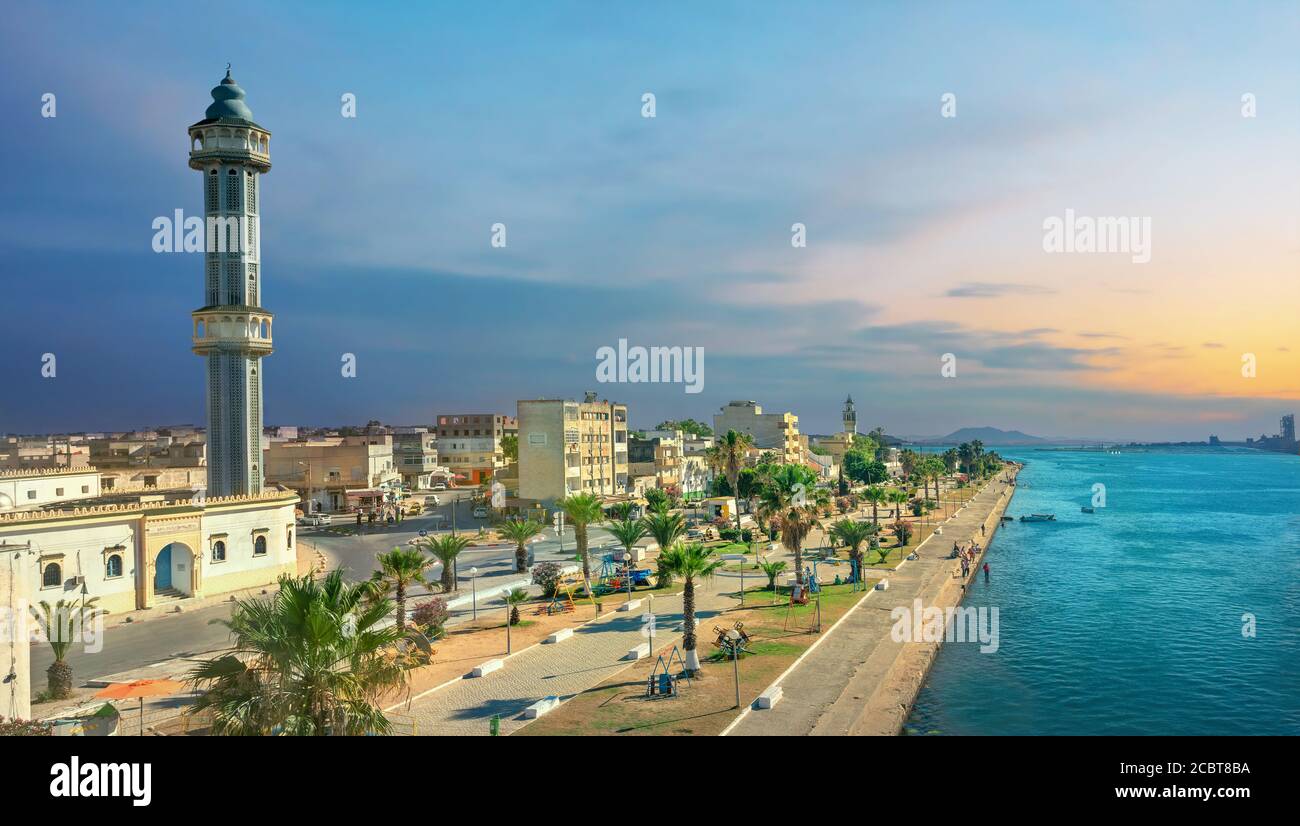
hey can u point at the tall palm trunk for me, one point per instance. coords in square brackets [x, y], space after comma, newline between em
[580, 535]
[797, 547]
[401, 605]
[688, 625]
[521, 558]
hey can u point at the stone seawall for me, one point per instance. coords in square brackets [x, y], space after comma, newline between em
[889, 706]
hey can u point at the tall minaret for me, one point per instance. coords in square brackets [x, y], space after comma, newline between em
[850, 417]
[231, 330]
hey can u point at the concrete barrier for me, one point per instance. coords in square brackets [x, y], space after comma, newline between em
[770, 697]
[642, 650]
[486, 668]
[542, 706]
[882, 585]
[559, 636]
[630, 605]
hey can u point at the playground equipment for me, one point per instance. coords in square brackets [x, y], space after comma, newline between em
[732, 641]
[562, 600]
[663, 681]
[614, 575]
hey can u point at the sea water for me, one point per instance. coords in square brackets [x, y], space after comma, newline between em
[1173, 609]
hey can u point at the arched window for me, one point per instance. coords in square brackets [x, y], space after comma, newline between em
[52, 576]
[210, 191]
[219, 551]
[259, 545]
[114, 566]
[232, 191]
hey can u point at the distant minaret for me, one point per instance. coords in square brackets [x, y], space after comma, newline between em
[232, 331]
[850, 417]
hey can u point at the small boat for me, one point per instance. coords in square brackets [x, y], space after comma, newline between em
[1087, 509]
[1008, 519]
[1039, 517]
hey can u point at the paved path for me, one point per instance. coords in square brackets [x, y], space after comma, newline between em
[565, 669]
[827, 692]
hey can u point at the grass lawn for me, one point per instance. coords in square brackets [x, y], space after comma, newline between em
[706, 705]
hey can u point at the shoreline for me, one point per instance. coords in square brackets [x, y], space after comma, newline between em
[890, 706]
[859, 680]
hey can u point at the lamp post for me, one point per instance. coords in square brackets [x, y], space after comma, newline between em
[473, 600]
[733, 637]
[506, 592]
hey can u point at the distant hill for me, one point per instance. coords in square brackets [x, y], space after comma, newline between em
[987, 435]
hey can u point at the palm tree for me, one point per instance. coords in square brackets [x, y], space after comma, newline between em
[519, 532]
[772, 569]
[514, 598]
[666, 529]
[792, 499]
[628, 532]
[60, 626]
[875, 495]
[908, 459]
[728, 456]
[690, 562]
[853, 534]
[582, 509]
[898, 496]
[446, 548]
[399, 569]
[950, 460]
[313, 659]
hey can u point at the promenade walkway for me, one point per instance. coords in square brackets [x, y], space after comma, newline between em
[564, 669]
[858, 679]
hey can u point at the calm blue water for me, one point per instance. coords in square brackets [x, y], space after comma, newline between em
[1129, 621]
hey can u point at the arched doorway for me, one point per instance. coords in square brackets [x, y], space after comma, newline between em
[172, 569]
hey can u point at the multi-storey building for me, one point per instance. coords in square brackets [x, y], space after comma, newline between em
[415, 454]
[568, 447]
[336, 473]
[469, 444]
[774, 432]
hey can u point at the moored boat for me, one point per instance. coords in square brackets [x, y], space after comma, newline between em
[1039, 517]
[1087, 509]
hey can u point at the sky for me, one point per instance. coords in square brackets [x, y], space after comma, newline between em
[925, 234]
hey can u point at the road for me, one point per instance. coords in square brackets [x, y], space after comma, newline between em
[138, 644]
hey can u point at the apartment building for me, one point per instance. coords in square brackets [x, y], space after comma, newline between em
[336, 473]
[568, 447]
[775, 432]
[469, 444]
[415, 454]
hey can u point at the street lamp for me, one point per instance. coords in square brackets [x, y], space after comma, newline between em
[473, 600]
[733, 642]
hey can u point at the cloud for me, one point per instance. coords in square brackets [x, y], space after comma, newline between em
[994, 289]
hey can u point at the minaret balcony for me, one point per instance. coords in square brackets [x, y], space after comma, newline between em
[211, 144]
[232, 328]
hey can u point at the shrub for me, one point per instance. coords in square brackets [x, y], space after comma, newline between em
[747, 536]
[431, 616]
[903, 530]
[547, 575]
[24, 728]
[729, 534]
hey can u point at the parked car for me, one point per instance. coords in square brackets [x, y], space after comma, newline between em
[315, 520]
[432, 500]
[414, 509]
[481, 512]
[439, 486]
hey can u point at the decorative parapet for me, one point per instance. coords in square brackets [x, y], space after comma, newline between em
[125, 508]
[28, 473]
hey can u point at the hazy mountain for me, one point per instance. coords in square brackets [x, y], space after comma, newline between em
[987, 435]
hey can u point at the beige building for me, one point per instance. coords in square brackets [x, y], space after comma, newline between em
[776, 432]
[336, 474]
[568, 447]
[16, 580]
[469, 444]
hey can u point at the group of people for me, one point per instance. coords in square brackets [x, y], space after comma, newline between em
[389, 515]
[967, 554]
